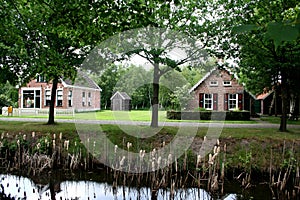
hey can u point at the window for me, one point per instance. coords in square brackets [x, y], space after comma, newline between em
[70, 98]
[40, 78]
[213, 83]
[83, 98]
[232, 101]
[59, 98]
[31, 98]
[227, 83]
[89, 99]
[208, 101]
[47, 97]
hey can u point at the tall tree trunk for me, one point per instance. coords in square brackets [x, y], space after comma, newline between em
[156, 76]
[52, 102]
[284, 99]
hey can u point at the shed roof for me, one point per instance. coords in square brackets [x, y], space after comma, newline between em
[264, 95]
[123, 95]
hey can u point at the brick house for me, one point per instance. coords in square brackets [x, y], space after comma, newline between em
[219, 90]
[82, 95]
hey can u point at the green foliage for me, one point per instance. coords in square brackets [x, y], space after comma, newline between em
[8, 95]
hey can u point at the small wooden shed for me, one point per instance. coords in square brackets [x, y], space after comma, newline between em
[120, 101]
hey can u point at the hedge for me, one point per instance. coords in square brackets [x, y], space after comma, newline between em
[207, 115]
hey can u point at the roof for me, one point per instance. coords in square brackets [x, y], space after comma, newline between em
[202, 80]
[123, 95]
[264, 95]
[82, 80]
[209, 74]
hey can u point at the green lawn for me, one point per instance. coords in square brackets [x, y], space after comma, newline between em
[134, 115]
[276, 120]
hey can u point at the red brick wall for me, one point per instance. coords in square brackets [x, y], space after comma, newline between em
[76, 96]
[220, 89]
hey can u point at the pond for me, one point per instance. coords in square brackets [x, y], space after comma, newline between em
[19, 187]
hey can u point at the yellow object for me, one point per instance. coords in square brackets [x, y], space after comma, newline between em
[10, 109]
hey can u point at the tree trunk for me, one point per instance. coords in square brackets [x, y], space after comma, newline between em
[284, 97]
[52, 102]
[154, 119]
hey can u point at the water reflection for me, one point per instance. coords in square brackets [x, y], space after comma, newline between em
[21, 187]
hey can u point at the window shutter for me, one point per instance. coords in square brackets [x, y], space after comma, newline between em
[201, 98]
[240, 101]
[215, 101]
[226, 101]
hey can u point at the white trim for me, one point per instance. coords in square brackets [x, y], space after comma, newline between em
[119, 94]
[213, 83]
[227, 84]
[81, 87]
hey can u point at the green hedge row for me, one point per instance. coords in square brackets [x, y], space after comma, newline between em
[209, 115]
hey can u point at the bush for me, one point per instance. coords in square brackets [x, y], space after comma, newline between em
[207, 115]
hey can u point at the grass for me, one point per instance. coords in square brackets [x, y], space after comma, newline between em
[134, 115]
[276, 120]
[240, 141]
[15, 127]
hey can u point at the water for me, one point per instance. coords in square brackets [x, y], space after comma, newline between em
[22, 187]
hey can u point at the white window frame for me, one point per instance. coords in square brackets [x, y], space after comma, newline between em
[208, 100]
[83, 98]
[213, 83]
[59, 96]
[89, 99]
[47, 96]
[34, 96]
[231, 99]
[226, 83]
[70, 95]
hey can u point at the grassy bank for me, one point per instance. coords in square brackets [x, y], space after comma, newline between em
[239, 141]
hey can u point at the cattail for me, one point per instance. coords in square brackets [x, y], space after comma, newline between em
[60, 135]
[169, 159]
[153, 152]
[66, 145]
[198, 159]
[215, 149]
[33, 134]
[122, 161]
[116, 147]
[210, 160]
[153, 166]
[159, 161]
[142, 153]
[129, 145]
[38, 146]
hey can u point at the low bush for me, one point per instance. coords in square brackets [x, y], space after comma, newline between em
[208, 115]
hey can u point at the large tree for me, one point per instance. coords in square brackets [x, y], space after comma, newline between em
[182, 31]
[51, 38]
[265, 43]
